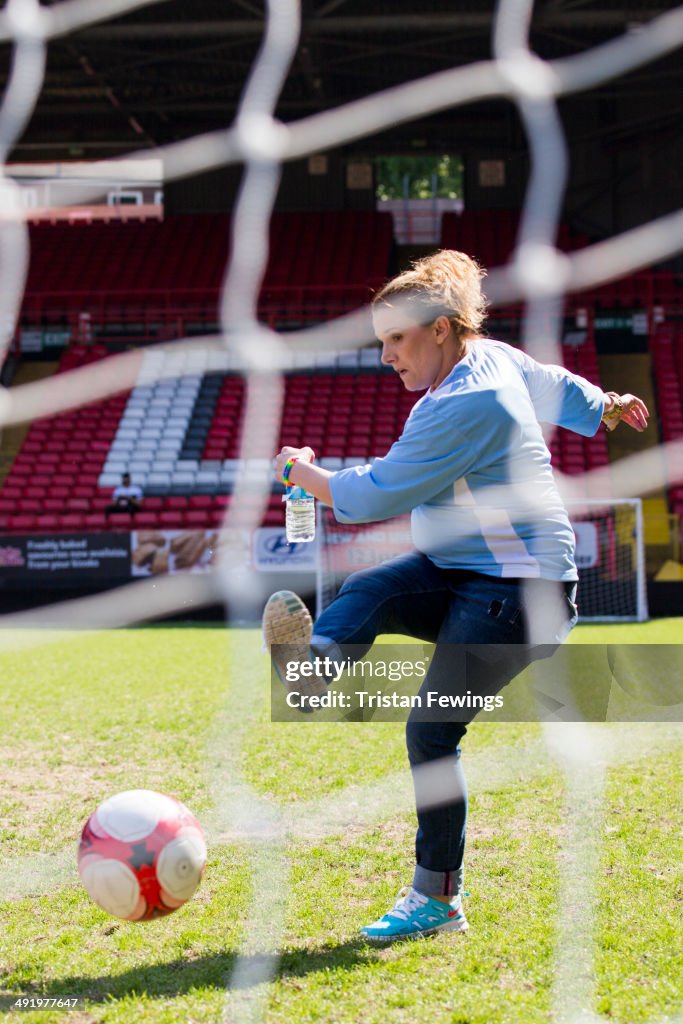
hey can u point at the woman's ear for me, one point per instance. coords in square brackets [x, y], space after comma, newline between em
[442, 328]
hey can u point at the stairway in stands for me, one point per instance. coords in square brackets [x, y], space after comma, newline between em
[13, 437]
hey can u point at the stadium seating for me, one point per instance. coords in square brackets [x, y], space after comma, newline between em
[666, 347]
[179, 438]
[179, 435]
[489, 236]
[320, 264]
[57, 468]
[571, 453]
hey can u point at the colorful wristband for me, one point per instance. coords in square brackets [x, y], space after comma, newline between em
[287, 470]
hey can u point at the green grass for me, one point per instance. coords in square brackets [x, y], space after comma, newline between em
[185, 710]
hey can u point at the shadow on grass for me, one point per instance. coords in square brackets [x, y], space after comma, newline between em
[178, 977]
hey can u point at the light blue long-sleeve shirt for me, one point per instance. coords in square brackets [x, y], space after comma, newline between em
[473, 468]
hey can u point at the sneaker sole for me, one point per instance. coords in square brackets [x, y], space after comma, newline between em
[287, 620]
[450, 926]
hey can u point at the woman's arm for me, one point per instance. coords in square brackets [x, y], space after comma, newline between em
[570, 401]
[304, 473]
[428, 456]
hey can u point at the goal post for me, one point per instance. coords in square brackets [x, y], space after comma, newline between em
[610, 556]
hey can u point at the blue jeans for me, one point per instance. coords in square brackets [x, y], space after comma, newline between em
[411, 596]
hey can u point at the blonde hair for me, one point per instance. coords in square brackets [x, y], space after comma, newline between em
[447, 283]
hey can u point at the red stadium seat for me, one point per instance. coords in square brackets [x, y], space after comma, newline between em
[146, 520]
[22, 523]
[74, 521]
[95, 522]
[197, 518]
[120, 521]
[170, 520]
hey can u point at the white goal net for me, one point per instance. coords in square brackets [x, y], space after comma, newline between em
[538, 274]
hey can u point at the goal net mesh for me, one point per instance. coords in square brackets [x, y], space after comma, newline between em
[538, 274]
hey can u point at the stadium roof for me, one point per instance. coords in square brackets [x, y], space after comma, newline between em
[172, 69]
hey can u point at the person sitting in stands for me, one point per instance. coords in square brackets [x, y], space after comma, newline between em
[127, 497]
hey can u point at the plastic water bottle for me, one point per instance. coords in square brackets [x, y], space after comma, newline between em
[299, 515]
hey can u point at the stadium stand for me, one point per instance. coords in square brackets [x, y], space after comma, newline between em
[179, 439]
[321, 264]
[52, 482]
[666, 347]
[489, 236]
[570, 452]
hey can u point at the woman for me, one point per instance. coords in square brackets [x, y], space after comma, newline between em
[495, 550]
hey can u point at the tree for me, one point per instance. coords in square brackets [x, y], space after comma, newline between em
[419, 177]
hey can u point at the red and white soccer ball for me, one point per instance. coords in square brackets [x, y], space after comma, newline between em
[141, 855]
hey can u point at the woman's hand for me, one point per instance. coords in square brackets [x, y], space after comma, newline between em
[286, 453]
[635, 413]
[625, 409]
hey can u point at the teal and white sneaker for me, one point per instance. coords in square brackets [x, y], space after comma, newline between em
[287, 630]
[415, 914]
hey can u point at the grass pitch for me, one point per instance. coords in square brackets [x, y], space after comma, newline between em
[186, 710]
